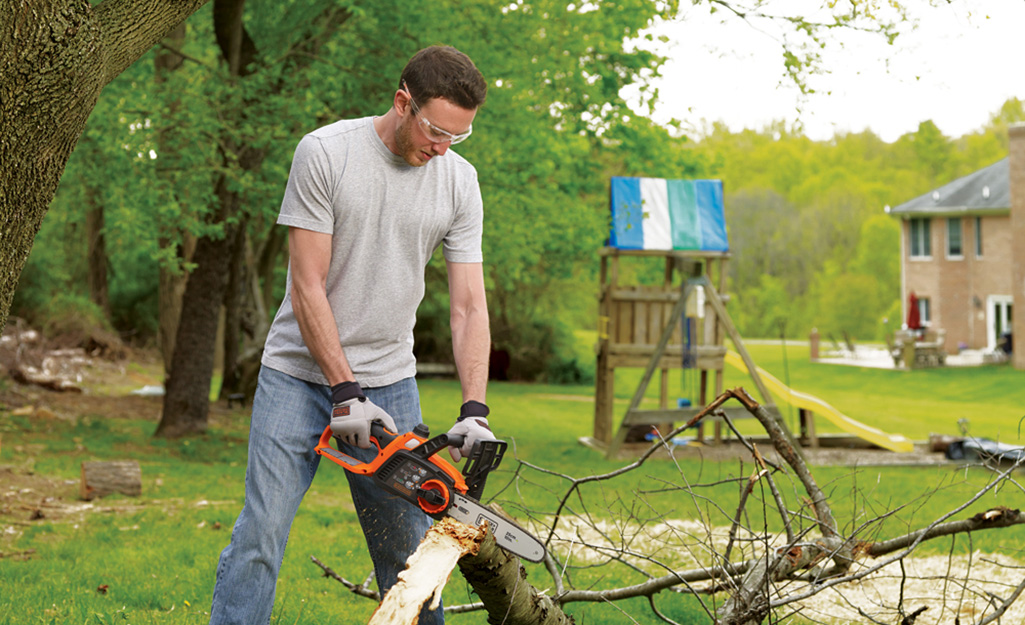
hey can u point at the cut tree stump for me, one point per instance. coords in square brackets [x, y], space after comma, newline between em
[103, 478]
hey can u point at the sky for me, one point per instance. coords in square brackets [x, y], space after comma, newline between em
[960, 65]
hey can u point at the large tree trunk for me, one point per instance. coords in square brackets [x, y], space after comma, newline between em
[187, 391]
[55, 57]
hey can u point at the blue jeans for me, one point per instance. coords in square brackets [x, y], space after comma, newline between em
[289, 416]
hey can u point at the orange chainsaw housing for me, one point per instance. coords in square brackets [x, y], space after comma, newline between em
[435, 475]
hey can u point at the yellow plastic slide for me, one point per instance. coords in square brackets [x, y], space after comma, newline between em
[893, 442]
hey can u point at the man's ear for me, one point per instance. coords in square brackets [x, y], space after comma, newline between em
[401, 102]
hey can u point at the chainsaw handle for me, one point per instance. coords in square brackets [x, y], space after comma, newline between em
[433, 445]
[380, 435]
[340, 458]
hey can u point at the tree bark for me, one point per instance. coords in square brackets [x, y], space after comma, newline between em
[55, 58]
[187, 391]
[500, 581]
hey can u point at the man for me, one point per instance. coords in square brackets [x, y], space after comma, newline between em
[367, 203]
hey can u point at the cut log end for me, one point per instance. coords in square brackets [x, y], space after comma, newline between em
[103, 478]
[427, 572]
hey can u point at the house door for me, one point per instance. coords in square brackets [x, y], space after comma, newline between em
[999, 318]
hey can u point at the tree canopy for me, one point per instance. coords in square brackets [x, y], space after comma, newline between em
[811, 244]
[209, 118]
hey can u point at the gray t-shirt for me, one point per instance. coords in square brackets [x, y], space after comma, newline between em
[386, 219]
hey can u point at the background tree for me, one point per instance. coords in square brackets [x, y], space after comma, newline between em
[251, 87]
[55, 58]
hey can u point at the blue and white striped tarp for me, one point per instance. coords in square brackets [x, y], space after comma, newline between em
[660, 214]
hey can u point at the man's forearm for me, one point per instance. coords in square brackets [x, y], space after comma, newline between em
[310, 258]
[471, 347]
[319, 332]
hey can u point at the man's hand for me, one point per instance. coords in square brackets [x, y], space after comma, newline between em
[472, 425]
[352, 414]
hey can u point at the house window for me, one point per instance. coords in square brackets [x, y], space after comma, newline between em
[921, 245]
[978, 237]
[924, 313]
[954, 237]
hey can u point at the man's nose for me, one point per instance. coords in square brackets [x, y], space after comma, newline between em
[441, 148]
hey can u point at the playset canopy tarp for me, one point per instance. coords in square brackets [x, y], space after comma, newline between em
[663, 214]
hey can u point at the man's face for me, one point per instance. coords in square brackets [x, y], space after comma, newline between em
[414, 143]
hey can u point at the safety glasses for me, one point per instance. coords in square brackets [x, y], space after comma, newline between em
[432, 132]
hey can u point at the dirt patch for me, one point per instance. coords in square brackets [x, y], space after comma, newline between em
[100, 384]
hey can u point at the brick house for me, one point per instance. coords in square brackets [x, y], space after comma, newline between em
[963, 254]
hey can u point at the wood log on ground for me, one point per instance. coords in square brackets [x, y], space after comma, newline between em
[427, 572]
[103, 478]
[30, 375]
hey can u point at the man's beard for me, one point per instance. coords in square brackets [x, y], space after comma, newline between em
[406, 146]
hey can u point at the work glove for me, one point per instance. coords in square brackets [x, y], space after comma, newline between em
[352, 413]
[472, 425]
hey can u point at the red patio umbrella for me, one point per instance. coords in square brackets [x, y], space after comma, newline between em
[914, 317]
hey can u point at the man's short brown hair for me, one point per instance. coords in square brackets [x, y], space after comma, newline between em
[444, 72]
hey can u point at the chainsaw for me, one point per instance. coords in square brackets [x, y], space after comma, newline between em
[407, 465]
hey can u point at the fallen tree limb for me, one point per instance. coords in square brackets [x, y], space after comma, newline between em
[990, 519]
[31, 375]
[358, 589]
[500, 581]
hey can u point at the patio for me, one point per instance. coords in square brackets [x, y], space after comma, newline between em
[878, 357]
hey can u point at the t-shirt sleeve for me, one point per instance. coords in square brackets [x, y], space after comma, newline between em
[462, 244]
[307, 200]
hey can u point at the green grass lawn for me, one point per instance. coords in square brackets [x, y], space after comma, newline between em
[912, 403]
[156, 554]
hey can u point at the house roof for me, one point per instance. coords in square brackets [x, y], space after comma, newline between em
[985, 191]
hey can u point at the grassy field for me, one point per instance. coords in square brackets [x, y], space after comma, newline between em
[155, 555]
[912, 403]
